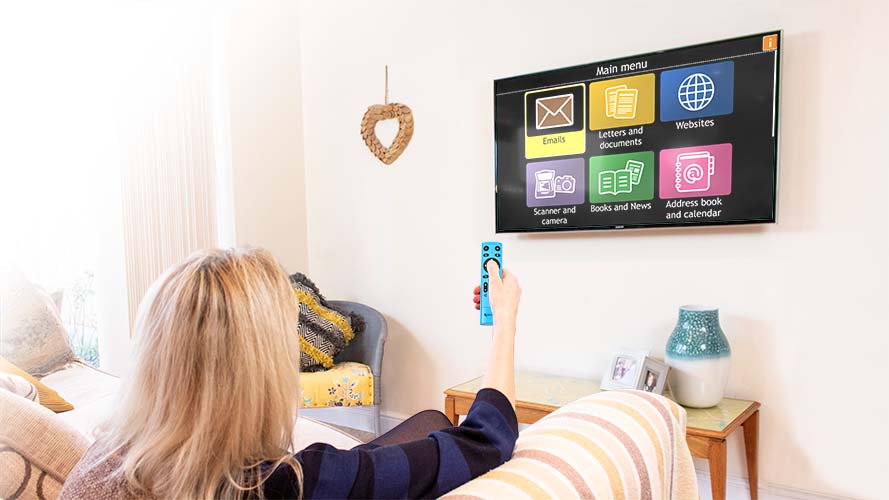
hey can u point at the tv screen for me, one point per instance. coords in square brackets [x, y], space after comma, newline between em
[680, 137]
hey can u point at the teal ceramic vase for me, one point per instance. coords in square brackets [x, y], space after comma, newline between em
[699, 357]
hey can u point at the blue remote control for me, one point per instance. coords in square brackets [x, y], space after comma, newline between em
[491, 250]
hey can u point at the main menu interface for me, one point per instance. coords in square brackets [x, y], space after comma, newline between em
[680, 137]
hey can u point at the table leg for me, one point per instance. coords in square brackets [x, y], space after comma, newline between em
[451, 410]
[717, 458]
[751, 449]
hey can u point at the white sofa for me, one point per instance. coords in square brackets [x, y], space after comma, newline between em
[94, 395]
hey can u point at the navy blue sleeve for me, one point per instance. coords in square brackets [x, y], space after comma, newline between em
[424, 468]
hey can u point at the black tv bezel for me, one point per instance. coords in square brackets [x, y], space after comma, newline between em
[735, 222]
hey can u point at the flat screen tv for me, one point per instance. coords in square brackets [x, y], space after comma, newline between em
[680, 137]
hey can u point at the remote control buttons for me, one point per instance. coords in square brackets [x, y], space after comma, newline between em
[497, 249]
[486, 248]
[485, 288]
[485, 264]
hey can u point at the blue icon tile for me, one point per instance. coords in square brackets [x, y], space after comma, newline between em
[698, 91]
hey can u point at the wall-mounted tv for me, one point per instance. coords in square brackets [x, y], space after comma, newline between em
[680, 137]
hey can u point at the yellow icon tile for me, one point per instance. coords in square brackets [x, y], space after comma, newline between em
[622, 102]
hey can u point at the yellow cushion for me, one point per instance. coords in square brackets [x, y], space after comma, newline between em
[345, 384]
[48, 397]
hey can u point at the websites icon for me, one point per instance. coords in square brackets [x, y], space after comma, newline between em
[698, 91]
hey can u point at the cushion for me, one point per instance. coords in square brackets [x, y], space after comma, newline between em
[627, 444]
[93, 393]
[323, 330]
[345, 384]
[31, 332]
[48, 397]
[19, 386]
[37, 451]
[308, 431]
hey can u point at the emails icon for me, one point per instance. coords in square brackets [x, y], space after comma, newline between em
[555, 111]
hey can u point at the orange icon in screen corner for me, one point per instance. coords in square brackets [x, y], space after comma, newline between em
[769, 42]
[555, 111]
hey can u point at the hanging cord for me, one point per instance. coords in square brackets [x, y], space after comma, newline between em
[386, 98]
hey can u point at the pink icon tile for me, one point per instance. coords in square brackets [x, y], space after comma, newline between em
[696, 171]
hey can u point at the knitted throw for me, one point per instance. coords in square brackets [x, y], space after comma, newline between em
[323, 330]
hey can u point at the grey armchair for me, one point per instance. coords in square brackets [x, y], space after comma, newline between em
[367, 348]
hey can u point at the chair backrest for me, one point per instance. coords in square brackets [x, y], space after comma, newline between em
[367, 348]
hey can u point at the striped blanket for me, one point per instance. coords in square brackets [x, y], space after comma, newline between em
[620, 445]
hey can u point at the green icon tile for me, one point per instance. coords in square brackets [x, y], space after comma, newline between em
[623, 177]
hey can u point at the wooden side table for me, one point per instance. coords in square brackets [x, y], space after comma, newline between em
[539, 394]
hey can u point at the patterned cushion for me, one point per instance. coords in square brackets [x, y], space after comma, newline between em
[31, 333]
[48, 397]
[19, 386]
[628, 444]
[346, 384]
[37, 450]
[323, 331]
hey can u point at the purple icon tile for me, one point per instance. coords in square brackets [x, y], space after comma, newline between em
[555, 183]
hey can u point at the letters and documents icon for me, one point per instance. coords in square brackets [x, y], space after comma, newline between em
[620, 102]
[555, 111]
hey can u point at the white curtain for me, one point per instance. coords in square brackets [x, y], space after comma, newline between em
[165, 125]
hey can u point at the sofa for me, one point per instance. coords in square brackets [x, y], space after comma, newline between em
[38, 448]
[627, 444]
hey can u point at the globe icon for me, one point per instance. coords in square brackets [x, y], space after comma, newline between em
[696, 92]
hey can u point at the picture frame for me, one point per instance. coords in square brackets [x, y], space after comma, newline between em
[624, 371]
[653, 376]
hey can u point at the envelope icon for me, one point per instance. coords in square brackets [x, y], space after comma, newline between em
[555, 111]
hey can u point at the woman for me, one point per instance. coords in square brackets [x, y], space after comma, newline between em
[210, 408]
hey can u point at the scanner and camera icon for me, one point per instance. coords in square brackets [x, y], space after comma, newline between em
[555, 183]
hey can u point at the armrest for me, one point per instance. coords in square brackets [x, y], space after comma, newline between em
[634, 435]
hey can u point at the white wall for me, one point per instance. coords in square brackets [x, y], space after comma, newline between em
[803, 301]
[262, 61]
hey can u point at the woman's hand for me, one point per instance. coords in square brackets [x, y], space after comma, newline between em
[504, 293]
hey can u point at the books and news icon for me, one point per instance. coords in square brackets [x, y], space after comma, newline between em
[623, 180]
[620, 102]
[555, 111]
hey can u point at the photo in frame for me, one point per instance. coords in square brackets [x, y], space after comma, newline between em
[624, 371]
[653, 376]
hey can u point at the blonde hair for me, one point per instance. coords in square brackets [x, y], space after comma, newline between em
[215, 390]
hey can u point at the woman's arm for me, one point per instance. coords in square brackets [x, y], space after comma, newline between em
[504, 297]
[423, 468]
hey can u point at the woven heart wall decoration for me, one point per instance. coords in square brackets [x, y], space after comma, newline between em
[388, 111]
